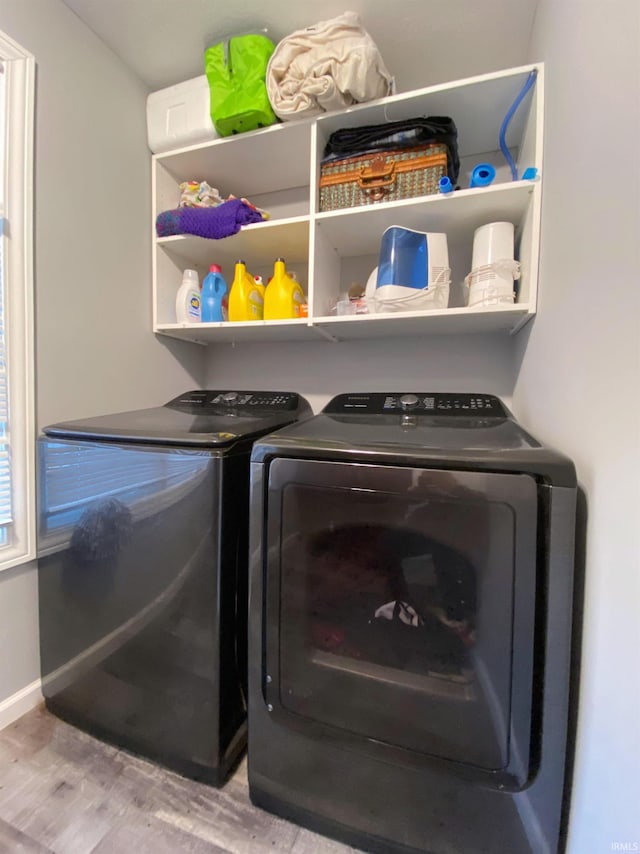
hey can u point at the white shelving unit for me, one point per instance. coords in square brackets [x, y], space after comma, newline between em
[278, 169]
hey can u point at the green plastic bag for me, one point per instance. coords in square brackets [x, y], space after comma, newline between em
[236, 71]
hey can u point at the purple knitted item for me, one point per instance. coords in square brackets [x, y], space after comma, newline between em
[215, 223]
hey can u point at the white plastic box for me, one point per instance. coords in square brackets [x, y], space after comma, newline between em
[179, 116]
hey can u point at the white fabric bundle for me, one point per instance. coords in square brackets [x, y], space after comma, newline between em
[326, 67]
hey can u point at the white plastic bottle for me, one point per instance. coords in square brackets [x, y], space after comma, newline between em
[188, 298]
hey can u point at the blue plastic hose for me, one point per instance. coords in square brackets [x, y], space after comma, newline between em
[531, 79]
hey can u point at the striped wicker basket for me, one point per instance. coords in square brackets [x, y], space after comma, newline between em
[382, 177]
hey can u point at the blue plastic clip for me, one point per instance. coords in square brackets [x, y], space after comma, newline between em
[530, 174]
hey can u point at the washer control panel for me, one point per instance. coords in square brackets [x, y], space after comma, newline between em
[247, 402]
[423, 403]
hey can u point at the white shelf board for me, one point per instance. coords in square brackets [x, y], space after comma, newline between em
[257, 244]
[248, 164]
[449, 321]
[357, 231]
[298, 329]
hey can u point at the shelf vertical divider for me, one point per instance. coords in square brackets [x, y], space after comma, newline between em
[531, 154]
[154, 252]
[315, 155]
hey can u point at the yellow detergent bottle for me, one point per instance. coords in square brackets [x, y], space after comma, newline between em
[283, 295]
[246, 298]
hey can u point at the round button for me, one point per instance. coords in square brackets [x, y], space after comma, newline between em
[408, 401]
[230, 397]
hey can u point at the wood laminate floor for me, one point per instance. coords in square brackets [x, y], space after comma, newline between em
[64, 792]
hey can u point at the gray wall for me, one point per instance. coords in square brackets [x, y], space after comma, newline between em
[95, 351]
[320, 370]
[578, 382]
[19, 635]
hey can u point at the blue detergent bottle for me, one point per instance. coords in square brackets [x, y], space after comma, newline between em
[214, 301]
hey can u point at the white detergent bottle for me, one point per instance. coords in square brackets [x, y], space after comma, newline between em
[188, 298]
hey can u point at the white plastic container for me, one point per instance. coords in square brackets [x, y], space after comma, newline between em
[188, 298]
[179, 116]
[493, 269]
[492, 242]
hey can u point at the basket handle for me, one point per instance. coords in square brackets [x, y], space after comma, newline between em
[374, 179]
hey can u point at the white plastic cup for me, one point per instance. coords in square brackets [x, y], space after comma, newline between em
[492, 242]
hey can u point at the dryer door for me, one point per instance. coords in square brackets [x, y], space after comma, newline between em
[400, 607]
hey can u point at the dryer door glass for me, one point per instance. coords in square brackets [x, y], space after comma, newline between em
[398, 600]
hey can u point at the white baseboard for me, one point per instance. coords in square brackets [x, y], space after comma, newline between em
[20, 703]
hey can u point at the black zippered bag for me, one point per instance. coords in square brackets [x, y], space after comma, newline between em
[409, 133]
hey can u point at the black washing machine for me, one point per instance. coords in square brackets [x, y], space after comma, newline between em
[409, 625]
[142, 572]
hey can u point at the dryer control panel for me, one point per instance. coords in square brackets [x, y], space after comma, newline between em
[425, 403]
[219, 402]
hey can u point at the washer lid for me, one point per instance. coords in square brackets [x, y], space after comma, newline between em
[471, 431]
[419, 421]
[197, 418]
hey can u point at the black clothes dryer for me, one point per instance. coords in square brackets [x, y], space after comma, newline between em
[409, 627]
[142, 571]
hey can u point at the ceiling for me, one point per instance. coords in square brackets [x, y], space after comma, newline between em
[422, 42]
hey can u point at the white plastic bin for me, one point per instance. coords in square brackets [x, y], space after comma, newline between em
[179, 116]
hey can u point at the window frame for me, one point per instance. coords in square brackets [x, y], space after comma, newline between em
[19, 70]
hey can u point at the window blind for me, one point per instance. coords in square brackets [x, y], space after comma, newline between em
[17, 393]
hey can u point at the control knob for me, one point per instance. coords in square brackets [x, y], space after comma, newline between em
[408, 401]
